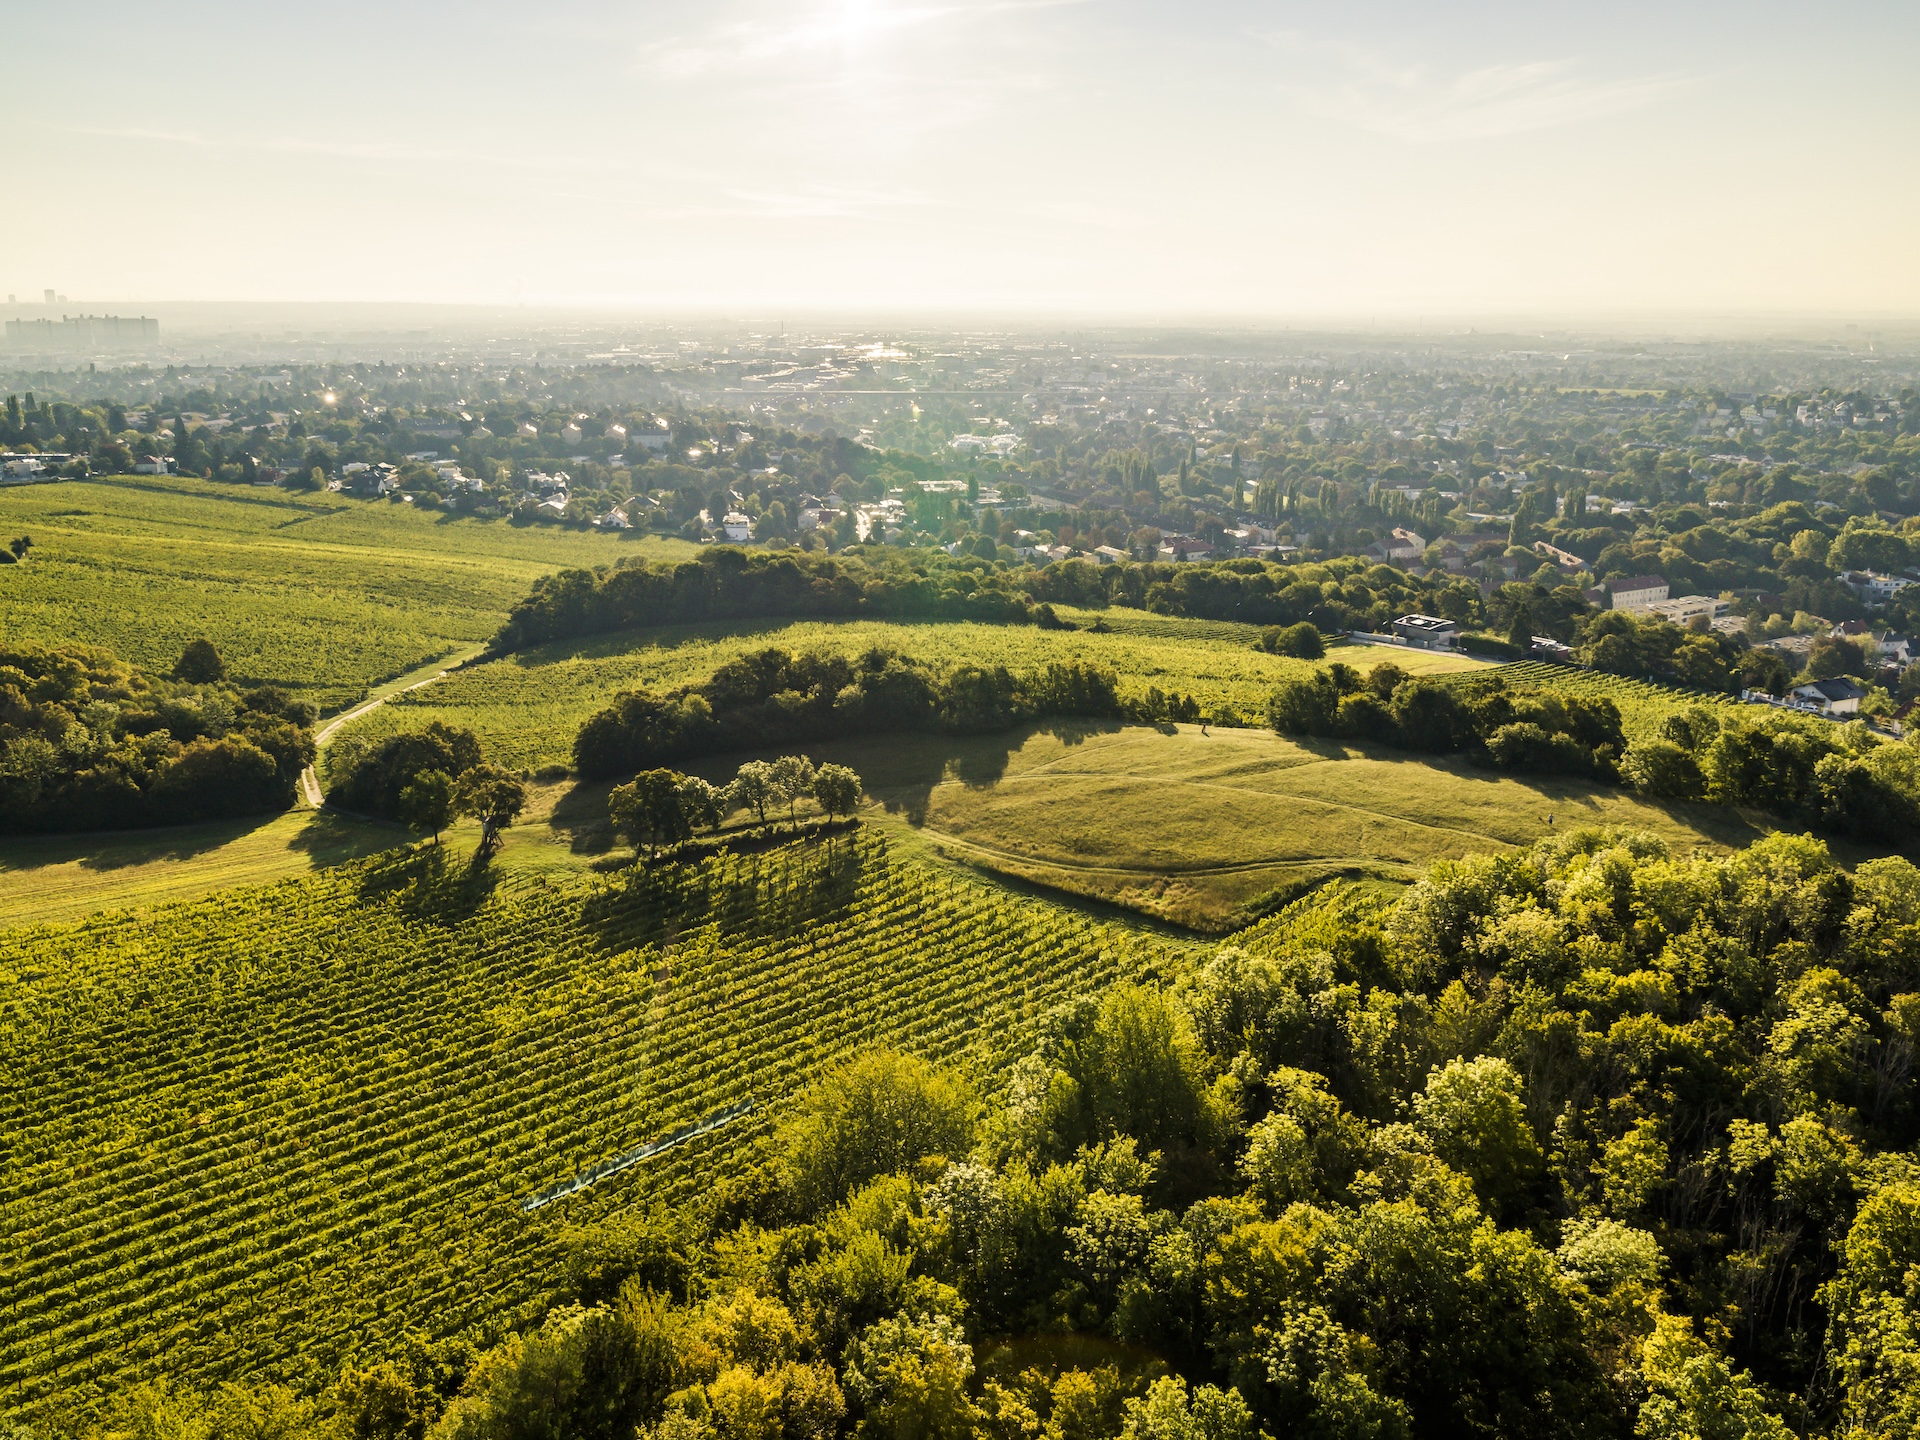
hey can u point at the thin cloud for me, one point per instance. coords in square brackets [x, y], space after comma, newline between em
[1417, 104]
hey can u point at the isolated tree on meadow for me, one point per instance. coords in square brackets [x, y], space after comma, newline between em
[837, 788]
[200, 663]
[426, 804]
[493, 797]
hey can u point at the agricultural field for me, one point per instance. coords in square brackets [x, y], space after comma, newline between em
[527, 707]
[266, 1132]
[1643, 704]
[320, 594]
[1194, 828]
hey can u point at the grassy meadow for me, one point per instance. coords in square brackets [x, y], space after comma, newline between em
[318, 593]
[1194, 828]
[527, 707]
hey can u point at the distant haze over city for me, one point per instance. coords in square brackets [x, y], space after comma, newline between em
[1379, 165]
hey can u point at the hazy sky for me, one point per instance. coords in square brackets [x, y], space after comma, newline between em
[1269, 160]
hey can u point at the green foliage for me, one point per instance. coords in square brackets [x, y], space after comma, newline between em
[772, 698]
[879, 1113]
[87, 742]
[1301, 641]
[1532, 731]
[373, 777]
[200, 664]
[491, 795]
[381, 1061]
[647, 810]
[426, 804]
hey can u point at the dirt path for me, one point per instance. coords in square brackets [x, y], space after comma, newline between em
[309, 780]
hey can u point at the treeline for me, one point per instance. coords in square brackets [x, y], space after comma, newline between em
[88, 742]
[1585, 1140]
[724, 583]
[773, 698]
[1334, 595]
[1540, 731]
[1840, 778]
[663, 807]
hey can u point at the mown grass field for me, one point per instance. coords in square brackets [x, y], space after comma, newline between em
[317, 593]
[527, 707]
[266, 1132]
[1193, 828]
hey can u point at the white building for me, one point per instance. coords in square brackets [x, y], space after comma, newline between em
[1637, 593]
[1683, 608]
[737, 528]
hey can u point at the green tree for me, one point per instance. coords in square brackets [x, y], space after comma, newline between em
[874, 1115]
[754, 788]
[837, 788]
[1472, 1114]
[200, 663]
[492, 796]
[792, 781]
[910, 1376]
[704, 805]
[647, 810]
[426, 804]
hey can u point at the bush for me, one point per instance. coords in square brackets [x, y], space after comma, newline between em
[1301, 642]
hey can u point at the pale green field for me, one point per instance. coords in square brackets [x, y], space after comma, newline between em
[46, 878]
[317, 593]
[527, 707]
[1192, 828]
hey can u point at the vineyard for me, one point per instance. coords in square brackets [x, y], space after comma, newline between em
[312, 592]
[265, 1132]
[1643, 704]
[527, 707]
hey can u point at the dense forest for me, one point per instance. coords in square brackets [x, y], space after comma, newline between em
[88, 742]
[1587, 1139]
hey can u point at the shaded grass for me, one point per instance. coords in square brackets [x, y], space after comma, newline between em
[47, 878]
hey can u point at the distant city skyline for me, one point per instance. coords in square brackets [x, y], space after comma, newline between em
[1384, 162]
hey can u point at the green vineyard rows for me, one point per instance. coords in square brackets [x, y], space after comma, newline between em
[1643, 703]
[261, 1133]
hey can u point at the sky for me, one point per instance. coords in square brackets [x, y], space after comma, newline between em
[1274, 161]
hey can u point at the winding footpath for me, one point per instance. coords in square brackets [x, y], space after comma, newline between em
[310, 781]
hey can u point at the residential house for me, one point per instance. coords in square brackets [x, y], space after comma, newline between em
[1179, 548]
[1873, 587]
[1429, 632]
[1110, 555]
[736, 528]
[153, 465]
[614, 519]
[1402, 547]
[1565, 559]
[1830, 697]
[1684, 608]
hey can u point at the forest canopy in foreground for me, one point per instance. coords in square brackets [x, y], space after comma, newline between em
[1586, 1139]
